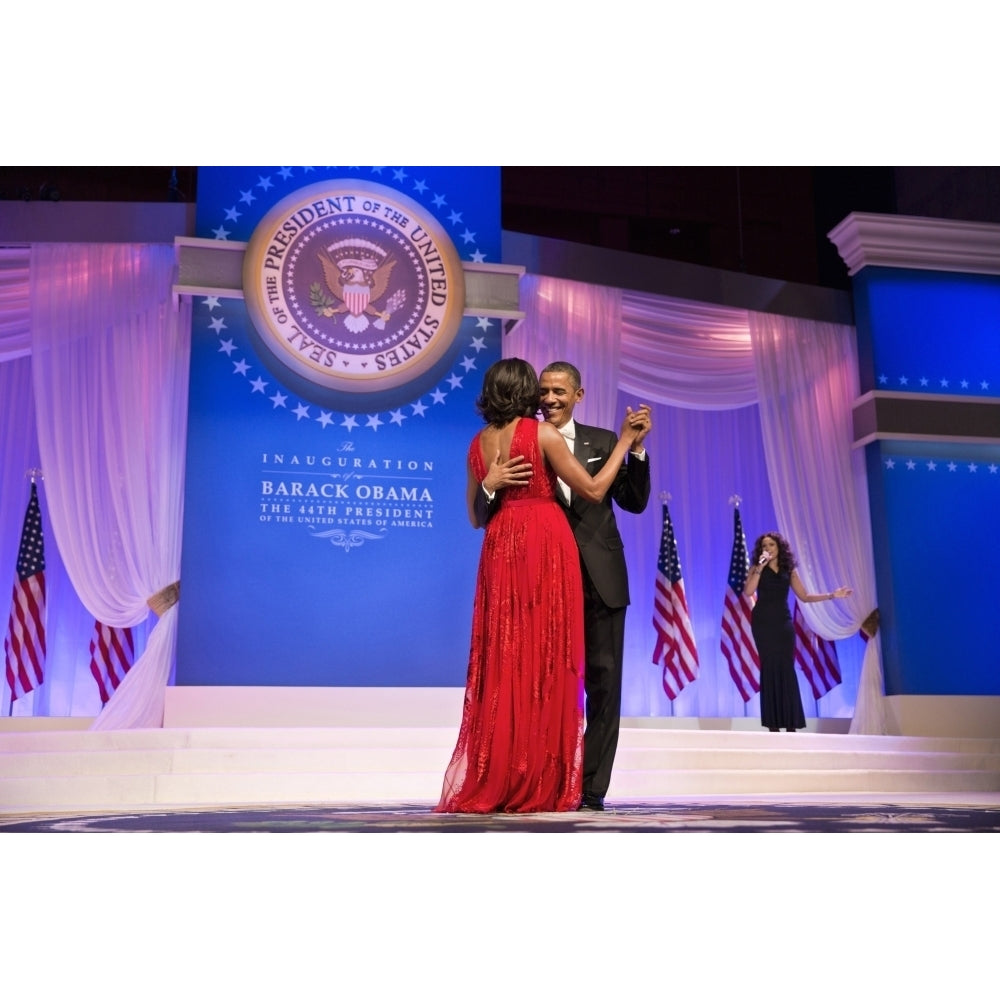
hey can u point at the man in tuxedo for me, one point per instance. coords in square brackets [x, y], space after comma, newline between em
[602, 561]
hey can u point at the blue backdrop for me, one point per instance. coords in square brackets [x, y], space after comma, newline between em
[324, 546]
[934, 503]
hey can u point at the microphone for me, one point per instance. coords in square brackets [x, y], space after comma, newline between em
[763, 559]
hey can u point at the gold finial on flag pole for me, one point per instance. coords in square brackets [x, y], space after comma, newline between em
[736, 499]
[665, 496]
[33, 474]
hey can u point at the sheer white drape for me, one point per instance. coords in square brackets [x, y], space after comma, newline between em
[808, 377]
[111, 367]
[690, 356]
[15, 335]
[110, 354]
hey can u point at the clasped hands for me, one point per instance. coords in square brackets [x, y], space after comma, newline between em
[636, 425]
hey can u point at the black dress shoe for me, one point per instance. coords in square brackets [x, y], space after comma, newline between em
[591, 803]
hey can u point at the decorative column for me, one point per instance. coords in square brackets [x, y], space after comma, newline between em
[927, 310]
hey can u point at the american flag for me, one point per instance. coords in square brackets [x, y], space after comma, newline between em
[816, 657]
[737, 640]
[24, 645]
[112, 652]
[675, 647]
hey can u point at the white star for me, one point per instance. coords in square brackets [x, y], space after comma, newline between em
[420, 186]
[397, 417]
[973, 467]
[301, 411]
[439, 201]
[944, 383]
[259, 385]
[455, 218]
[227, 346]
[418, 408]
[478, 257]
[890, 464]
[931, 466]
[483, 323]
[984, 385]
[468, 236]
[221, 233]
[217, 325]
[349, 422]
[248, 196]
[278, 399]
[455, 381]
[923, 381]
[903, 380]
[373, 422]
[468, 363]
[264, 183]
[993, 468]
[438, 396]
[911, 465]
[377, 170]
[232, 214]
[240, 367]
[308, 170]
[324, 418]
[399, 174]
[285, 172]
[952, 466]
[478, 344]
[882, 379]
[212, 301]
[964, 383]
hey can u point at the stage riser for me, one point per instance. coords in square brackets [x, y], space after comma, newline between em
[63, 771]
[178, 791]
[303, 738]
[434, 760]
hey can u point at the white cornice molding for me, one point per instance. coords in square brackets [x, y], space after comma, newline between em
[863, 240]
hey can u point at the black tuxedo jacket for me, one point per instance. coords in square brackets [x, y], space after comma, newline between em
[594, 525]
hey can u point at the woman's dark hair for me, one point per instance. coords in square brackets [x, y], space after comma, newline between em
[510, 389]
[786, 558]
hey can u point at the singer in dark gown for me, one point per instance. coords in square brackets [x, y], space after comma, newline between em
[520, 741]
[772, 574]
[774, 635]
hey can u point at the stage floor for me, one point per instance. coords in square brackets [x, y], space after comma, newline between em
[946, 813]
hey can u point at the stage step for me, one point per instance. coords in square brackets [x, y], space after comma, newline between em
[78, 770]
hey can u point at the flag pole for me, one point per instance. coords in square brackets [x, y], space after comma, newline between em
[37, 574]
[665, 498]
[735, 500]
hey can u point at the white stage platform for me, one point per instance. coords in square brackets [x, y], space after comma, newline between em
[243, 747]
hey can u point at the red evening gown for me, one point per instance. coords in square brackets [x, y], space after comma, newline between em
[520, 744]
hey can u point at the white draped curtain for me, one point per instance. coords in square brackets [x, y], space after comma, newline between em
[808, 377]
[110, 356]
[746, 405]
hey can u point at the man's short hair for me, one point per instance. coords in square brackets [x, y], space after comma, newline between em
[566, 369]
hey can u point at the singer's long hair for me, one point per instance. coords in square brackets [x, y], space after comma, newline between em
[786, 558]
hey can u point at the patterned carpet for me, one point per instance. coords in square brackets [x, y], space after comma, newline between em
[634, 817]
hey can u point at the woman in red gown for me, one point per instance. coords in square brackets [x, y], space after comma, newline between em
[520, 743]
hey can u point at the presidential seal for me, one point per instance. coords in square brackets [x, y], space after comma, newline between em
[355, 293]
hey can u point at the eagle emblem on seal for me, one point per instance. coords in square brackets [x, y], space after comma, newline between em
[356, 273]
